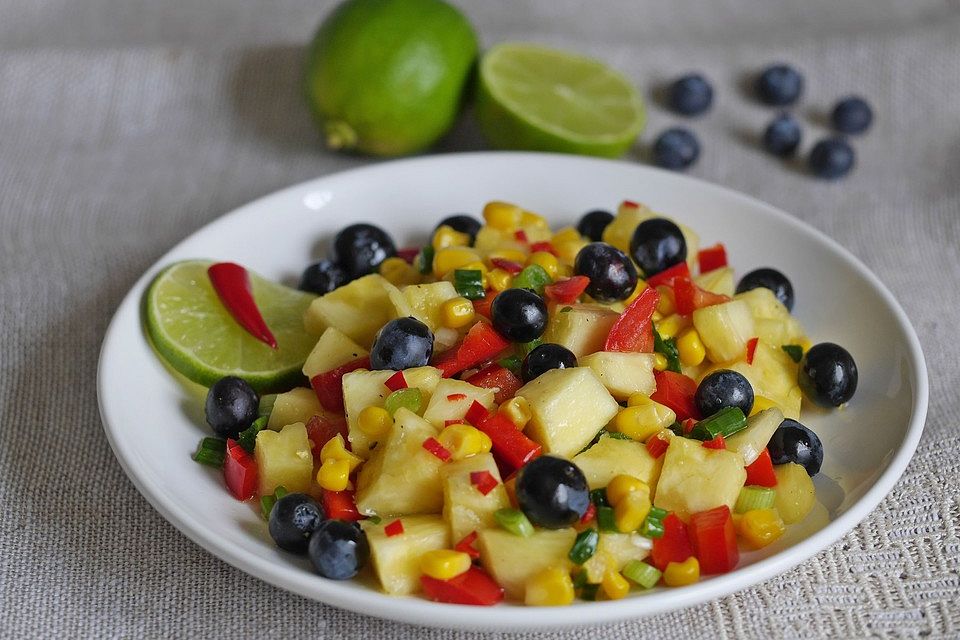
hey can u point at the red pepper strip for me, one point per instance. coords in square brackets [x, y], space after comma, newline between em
[454, 397]
[688, 425]
[543, 246]
[329, 385]
[760, 471]
[751, 349]
[676, 391]
[340, 505]
[438, 450]
[657, 446]
[493, 376]
[521, 236]
[631, 204]
[673, 546]
[688, 297]
[466, 545]
[447, 423]
[470, 587]
[395, 528]
[589, 514]
[567, 291]
[320, 429]
[483, 481]
[717, 443]
[714, 540]
[408, 255]
[477, 413]
[482, 306]
[232, 284]
[507, 265]
[396, 381]
[712, 258]
[667, 276]
[633, 330]
[509, 443]
[240, 471]
[480, 344]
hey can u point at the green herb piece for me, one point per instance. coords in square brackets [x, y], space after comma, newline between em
[599, 498]
[410, 398]
[248, 437]
[374, 520]
[267, 502]
[584, 546]
[469, 283]
[752, 497]
[566, 310]
[525, 348]
[588, 592]
[616, 435]
[795, 351]
[651, 528]
[725, 422]
[641, 573]
[656, 513]
[532, 277]
[668, 347]
[425, 259]
[606, 521]
[514, 521]
[511, 362]
[211, 452]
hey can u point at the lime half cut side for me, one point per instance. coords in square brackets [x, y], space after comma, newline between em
[540, 99]
[197, 336]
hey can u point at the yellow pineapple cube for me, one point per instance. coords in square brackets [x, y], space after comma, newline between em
[425, 301]
[296, 405]
[512, 560]
[358, 309]
[623, 374]
[465, 508]
[334, 348]
[396, 559]
[725, 330]
[611, 457]
[583, 329]
[284, 458]
[695, 478]
[442, 407]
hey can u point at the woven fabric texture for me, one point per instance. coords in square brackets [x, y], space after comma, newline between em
[124, 126]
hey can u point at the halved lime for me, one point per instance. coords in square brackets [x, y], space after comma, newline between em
[540, 99]
[197, 336]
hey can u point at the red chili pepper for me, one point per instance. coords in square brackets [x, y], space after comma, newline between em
[493, 376]
[521, 236]
[589, 514]
[567, 291]
[633, 330]
[688, 425]
[454, 397]
[408, 255]
[447, 423]
[631, 204]
[667, 276]
[396, 381]
[688, 297]
[543, 246]
[395, 528]
[676, 391]
[751, 349]
[340, 505]
[232, 284]
[329, 385]
[509, 443]
[714, 540]
[482, 306]
[320, 429]
[481, 343]
[711, 258]
[471, 587]
[507, 265]
[466, 545]
[673, 546]
[760, 471]
[240, 471]
[717, 443]
[483, 481]
[433, 446]
[657, 446]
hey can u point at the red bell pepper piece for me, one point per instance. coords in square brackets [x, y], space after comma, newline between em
[657, 446]
[493, 376]
[408, 254]
[340, 505]
[507, 265]
[717, 443]
[668, 275]
[477, 413]
[751, 349]
[240, 471]
[438, 450]
[760, 471]
[232, 284]
[710, 258]
[630, 204]
[714, 540]
[509, 443]
[483, 481]
[589, 514]
[543, 246]
[521, 236]
[633, 330]
[688, 425]
[321, 428]
[688, 297]
[454, 397]
[470, 587]
[482, 306]
[673, 546]
[329, 385]
[396, 381]
[481, 343]
[676, 391]
[394, 528]
[466, 545]
[567, 291]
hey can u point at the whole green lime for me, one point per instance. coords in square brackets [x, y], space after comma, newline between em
[387, 77]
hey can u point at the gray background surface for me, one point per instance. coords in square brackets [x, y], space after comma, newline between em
[125, 125]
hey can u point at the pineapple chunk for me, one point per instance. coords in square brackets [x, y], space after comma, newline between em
[582, 330]
[623, 374]
[284, 458]
[358, 309]
[442, 408]
[725, 329]
[512, 560]
[425, 301]
[695, 478]
[751, 442]
[619, 232]
[569, 407]
[624, 547]
[334, 348]
[401, 477]
[718, 281]
[296, 405]
[464, 507]
[396, 559]
[493, 239]
[795, 494]
[763, 304]
[610, 457]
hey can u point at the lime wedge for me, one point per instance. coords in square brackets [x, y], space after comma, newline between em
[197, 336]
[540, 99]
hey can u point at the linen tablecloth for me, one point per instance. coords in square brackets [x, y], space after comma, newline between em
[127, 124]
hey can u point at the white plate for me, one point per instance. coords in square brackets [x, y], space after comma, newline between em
[154, 422]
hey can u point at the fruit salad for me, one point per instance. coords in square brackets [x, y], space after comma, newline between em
[510, 412]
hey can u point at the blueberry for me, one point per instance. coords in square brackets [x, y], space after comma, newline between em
[782, 135]
[361, 247]
[779, 85]
[322, 277]
[676, 148]
[852, 115]
[403, 343]
[519, 315]
[338, 550]
[464, 224]
[793, 442]
[721, 389]
[768, 278]
[828, 375]
[293, 518]
[593, 223]
[612, 274]
[232, 406]
[691, 95]
[657, 245]
[831, 158]
[545, 357]
[552, 492]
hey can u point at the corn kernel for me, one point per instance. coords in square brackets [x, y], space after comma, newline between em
[567, 250]
[690, 347]
[630, 512]
[499, 280]
[456, 312]
[374, 421]
[485, 443]
[637, 290]
[666, 306]
[623, 485]
[546, 260]
[680, 574]
[502, 215]
[564, 271]
[535, 220]
[660, 362]
[517, 410]
[446, 236]
[614, 585]
[566, 234]
[672, 325]
[446, 260]
[398, 272]
[643, 418]
[444, 564]
[336, 449]
[549, 588]
[461, 440]
[511, 255]
[761, 403]
[760, 527]
[334, 475]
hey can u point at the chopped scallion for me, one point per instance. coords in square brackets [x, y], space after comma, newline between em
[425, 259]
[599, 497]
[469, 283]
[511, 362]
[211, 452]
[267, 502]
[526, 347]
[532, 277]
[795, 351]
[725, 422]
[410, 398]
[651, 528]
[641, 573]
[667, 347]
[605, 520]
[248, 437]
[584, 546]
[752, 497]
[514, 521]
